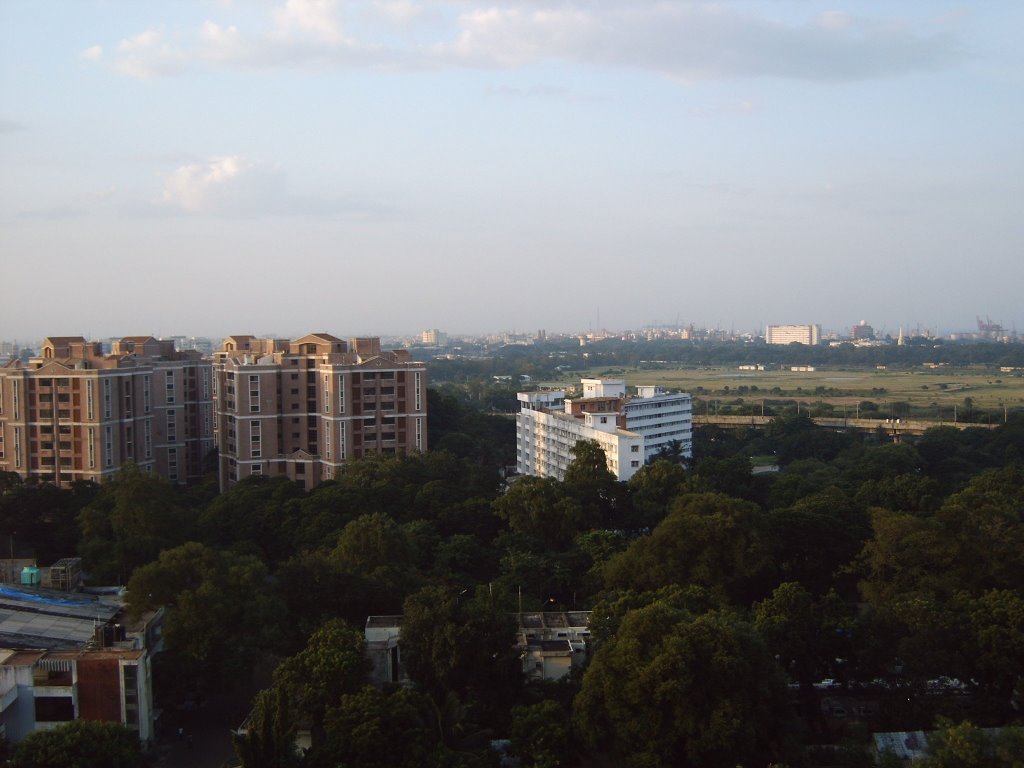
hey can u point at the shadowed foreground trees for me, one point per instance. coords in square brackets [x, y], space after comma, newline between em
[221, 612]
[454, 642]
[708, 539]
[80, 744]
[671, 688]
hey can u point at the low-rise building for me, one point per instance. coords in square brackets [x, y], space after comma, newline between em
[551, 644]
[41, 690]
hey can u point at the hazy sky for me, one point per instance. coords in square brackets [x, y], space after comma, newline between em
[256, 166]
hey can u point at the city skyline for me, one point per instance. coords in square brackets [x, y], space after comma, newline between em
[478, 166]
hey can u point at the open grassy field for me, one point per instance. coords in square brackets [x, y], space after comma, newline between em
[926, 390]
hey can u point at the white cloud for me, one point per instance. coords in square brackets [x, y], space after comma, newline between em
[691, 41]
[234, 186]
[316, 19]
[398, 11]
[146, 55]
[225, 185]
[696, 41]
[93, 53]
[834, 20]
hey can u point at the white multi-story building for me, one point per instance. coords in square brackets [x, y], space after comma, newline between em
[787, 334]
[662, 418]
[629, 430]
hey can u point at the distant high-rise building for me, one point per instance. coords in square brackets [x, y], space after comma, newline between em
[304, 408]
[862, 331]
[787, 334]
[76, 414]
[432, 337]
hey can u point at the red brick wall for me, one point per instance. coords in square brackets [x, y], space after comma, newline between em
[99, 690]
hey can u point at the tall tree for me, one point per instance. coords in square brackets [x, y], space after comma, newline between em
[332, 663]
[707, 539]
[134, 517]
[455, 642]
[674, 689]
[269, 737]
[80, 744]
[221, 611]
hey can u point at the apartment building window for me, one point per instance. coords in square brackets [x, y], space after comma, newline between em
[255, 439]
[14, 398]
[327, 393]
[1, 396]
[172, 426]
[341, 442]
[257, 469]
[169, 384]
[172, 464]
[106, 398]
[147, 438]
[327, 441]
[127, 397]
[254, 393]
[17, 447]
[131, 695]
[419, 400]
[108, 446]
[92, 447]
[206, 384]
[634, 449]
[146, 400]
[206, 420]
[89, 405]
[1, 442]
[129, 443]
[419, 433]
[341, 393]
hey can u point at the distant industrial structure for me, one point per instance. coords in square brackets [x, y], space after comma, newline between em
[630, 430]
[788, 334]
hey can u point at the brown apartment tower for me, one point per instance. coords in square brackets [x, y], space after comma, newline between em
[76, 414]
[304, 408]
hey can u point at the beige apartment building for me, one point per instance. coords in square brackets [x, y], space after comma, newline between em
[304, 408]
[76, 414]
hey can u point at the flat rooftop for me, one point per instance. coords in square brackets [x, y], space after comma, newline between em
[43, 618]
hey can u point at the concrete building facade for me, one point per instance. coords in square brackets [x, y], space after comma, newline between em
[630, 430]
[787, 334]
[74, 413]
[305, 408]
[42, 690]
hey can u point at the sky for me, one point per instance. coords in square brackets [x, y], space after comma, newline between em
[206, 167]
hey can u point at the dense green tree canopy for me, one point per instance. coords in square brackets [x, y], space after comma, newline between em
[221, 611]
[675, 689]
[708, 539]
[134, 517]
[80, 744]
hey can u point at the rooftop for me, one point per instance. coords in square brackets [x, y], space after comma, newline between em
[43, 618]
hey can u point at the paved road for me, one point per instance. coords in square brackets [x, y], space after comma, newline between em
[210, 728]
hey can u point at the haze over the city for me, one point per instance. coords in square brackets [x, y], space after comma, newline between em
[389, 165]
